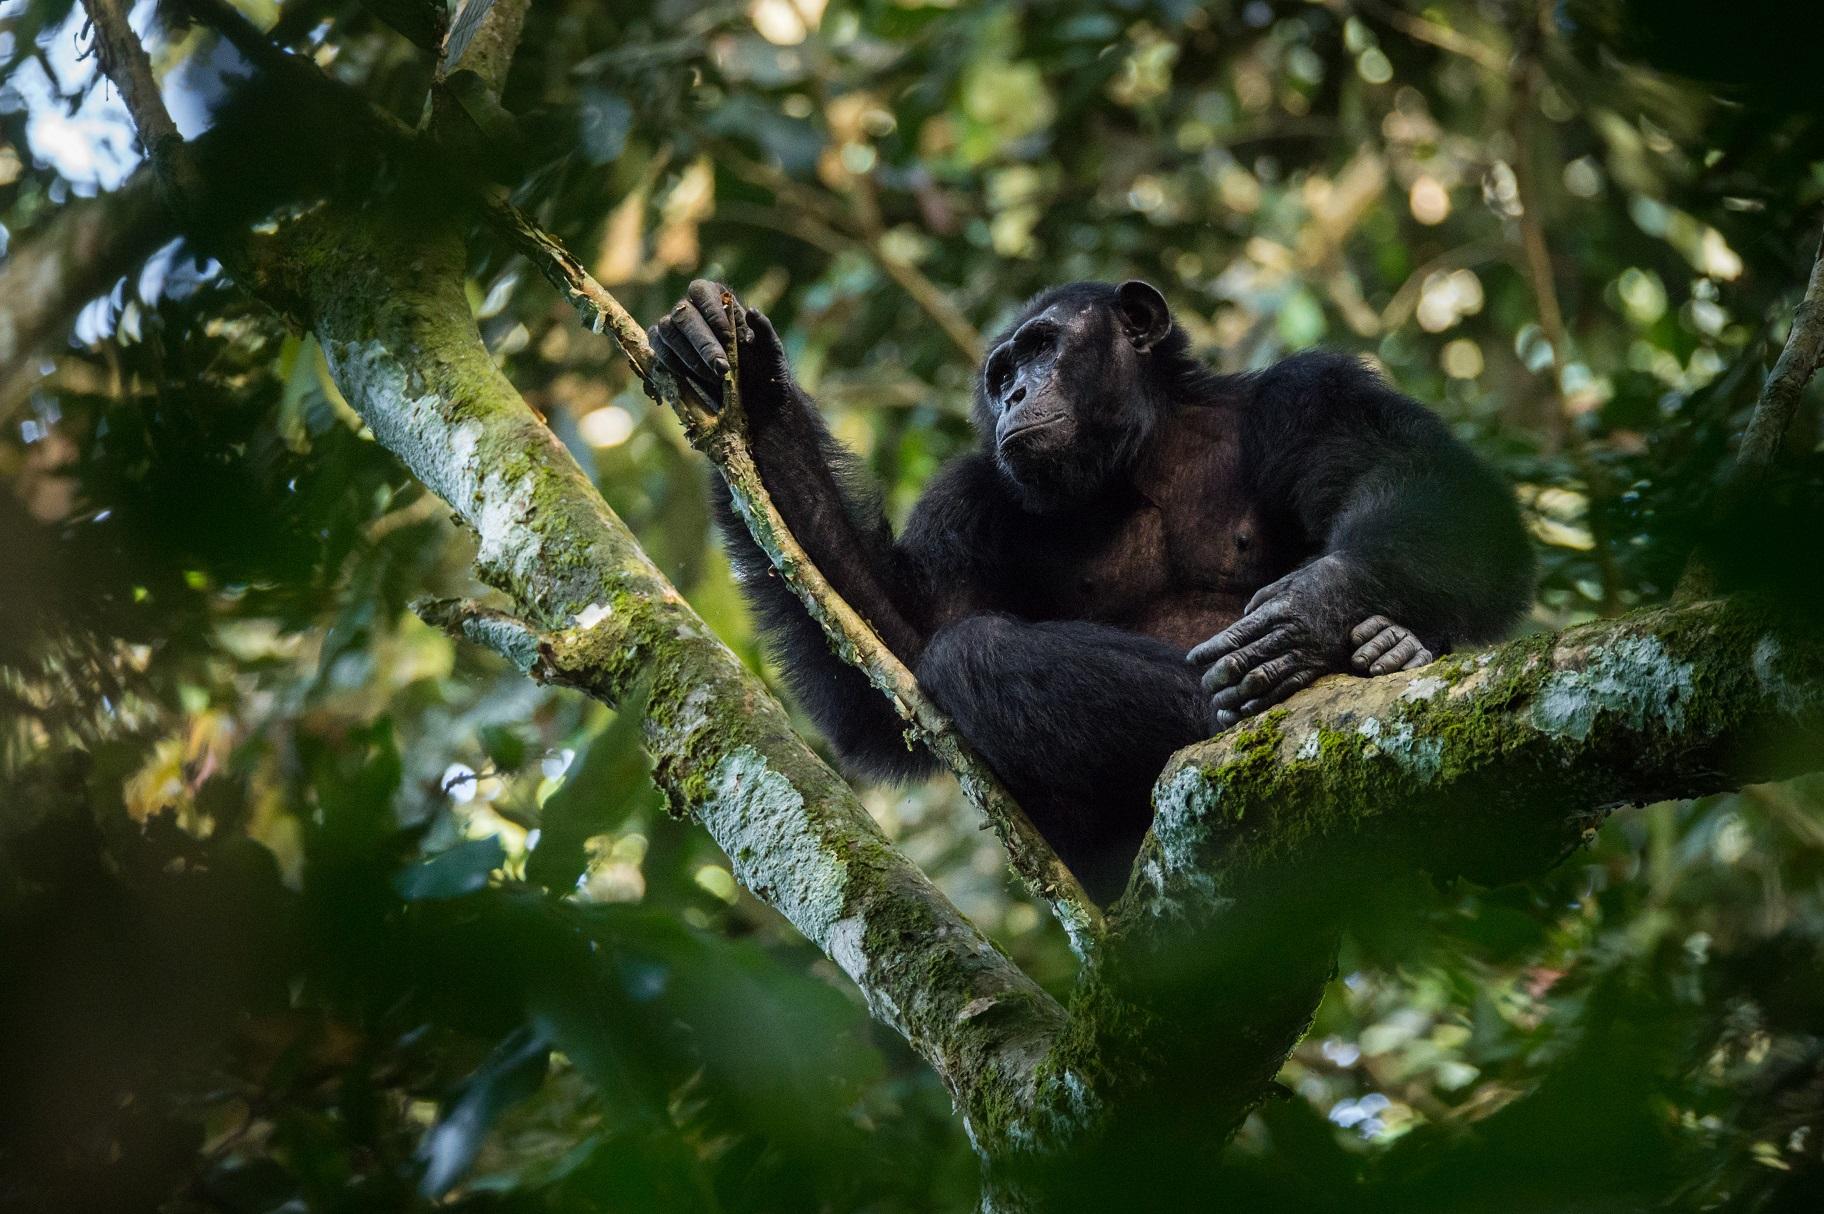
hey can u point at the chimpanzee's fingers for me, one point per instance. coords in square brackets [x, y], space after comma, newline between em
[1247, 628]
[1229, 669]
[706, 296]
[1424, 657]
[1377, 645]
[1221, 719]
[708, 347]
[661, 353]
[1229, 699]
[1285, 690]
[1407, 649]
[681, 370]
[1369, 628]
[682, 358]
[1268, 675]
[1254, 683]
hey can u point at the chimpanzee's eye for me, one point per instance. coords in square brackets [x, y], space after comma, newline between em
[998, 373]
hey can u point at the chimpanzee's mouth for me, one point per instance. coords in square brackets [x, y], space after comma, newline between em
[1031, 428]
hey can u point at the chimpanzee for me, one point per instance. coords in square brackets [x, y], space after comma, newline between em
[1142, 551]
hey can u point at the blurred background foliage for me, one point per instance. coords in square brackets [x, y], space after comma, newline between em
[303, 906]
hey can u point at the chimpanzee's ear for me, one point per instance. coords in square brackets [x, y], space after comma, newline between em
[1144, 317]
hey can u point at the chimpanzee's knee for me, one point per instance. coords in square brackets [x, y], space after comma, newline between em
[981, 672]
[962, 654]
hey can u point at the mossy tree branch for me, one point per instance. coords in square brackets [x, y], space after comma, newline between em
[1492, 763]
[388, 307]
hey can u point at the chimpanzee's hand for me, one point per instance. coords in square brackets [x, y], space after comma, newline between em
[694, 339]
[1293, 631]
[1386, 647]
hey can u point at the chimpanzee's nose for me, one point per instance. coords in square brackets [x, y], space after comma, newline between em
[1016, 396]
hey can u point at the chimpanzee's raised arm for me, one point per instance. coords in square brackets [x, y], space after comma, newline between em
[833, 509]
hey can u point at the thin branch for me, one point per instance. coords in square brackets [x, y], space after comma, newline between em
[850, 635]
[125, 62]
[1405, 299]
[1419, 29]
[1799, 360]
[599, 310]
[1537, 254]
[1527, 77]
[506, 634]
[821, 222]
[926, 294]
[858, 644]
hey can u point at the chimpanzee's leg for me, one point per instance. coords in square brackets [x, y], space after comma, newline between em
[1077, 719]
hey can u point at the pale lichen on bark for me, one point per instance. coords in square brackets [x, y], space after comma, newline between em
[1635, 681]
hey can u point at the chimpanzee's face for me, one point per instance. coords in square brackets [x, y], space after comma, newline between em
[1062, 388]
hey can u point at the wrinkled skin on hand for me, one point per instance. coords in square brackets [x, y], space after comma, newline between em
[1384, 647]
[1294, 631]
[693, 341]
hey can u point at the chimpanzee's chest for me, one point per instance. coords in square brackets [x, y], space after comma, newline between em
[1178, 558]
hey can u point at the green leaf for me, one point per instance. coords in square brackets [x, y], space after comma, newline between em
[505, 747]
[463, 869]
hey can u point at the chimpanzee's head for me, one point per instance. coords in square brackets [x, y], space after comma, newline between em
[1071, 389]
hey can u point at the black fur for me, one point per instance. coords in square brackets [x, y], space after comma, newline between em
[1128, 506]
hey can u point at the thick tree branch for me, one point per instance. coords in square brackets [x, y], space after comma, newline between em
[1492, 763]
[388, 308]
